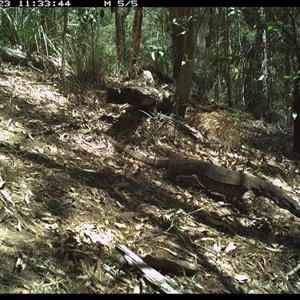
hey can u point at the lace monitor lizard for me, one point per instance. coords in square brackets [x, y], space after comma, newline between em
[218, 179]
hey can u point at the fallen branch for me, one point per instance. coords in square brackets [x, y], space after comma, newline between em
[150, 274]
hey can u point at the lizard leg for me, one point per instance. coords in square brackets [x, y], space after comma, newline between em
[174, 172]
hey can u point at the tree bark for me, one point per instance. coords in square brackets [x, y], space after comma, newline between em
[227, 75]
[177, 39]
[120, 16]
[184, 62]
[136, 37]
[296, 112]
[262, 36]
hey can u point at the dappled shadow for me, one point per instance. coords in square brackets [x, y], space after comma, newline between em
[127, 122]
[132, 204]
[275, 142]
[71, 185]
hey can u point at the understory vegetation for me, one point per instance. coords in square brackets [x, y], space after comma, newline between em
[69, 200]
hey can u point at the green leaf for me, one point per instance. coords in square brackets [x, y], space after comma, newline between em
[174, 22]
[261, 78]
[182, 33]
[153, 56]
[294, 115]
[270, 27]
[194, 18]
[287, 76]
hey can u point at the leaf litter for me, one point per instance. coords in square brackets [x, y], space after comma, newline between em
[67, 200]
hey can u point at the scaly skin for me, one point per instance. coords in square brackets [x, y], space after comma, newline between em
[217, 179]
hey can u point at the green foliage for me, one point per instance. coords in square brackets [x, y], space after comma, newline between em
[244, 59]
[21, 27]
[90, 42]
[156, 46]
[90, 48]
[84, 52]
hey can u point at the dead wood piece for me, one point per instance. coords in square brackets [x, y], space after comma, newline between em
[14, 56]
[170, 265]
[36, 61]
[150, 274]
[141, 97]
[191, 131]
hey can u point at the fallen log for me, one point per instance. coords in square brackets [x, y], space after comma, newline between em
[147, 98]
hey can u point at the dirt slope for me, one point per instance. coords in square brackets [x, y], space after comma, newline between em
[67, 197]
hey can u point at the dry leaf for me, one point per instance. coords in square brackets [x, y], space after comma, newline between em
[274, 249]
[120, 225]
[3, 157]
[39, 149]
[19, 226]
[136, 289]
[158, 183]
[89, 170]
[2, 184]
[53, 149]
[20, 265]
[139, 226]
[118, 233]
[217, 247]
[192, 224]
[18, 124]
[7, 197]
[230, 247]
[104, 238]
[19, 291]
[26, 199]
[94, 192]
[241, 278]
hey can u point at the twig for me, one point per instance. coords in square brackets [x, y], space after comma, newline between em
[293, 271]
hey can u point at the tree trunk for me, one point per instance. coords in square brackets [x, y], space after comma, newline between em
[186, 59]
[264, 63]
[202, 52]
[187, 69]
[296, 111]
[227, 75]
[176, 13]
[136, 37]
[120, 16]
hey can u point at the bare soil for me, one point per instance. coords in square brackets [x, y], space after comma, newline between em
[67, 196]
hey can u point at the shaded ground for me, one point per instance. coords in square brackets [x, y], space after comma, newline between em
[67, 197]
